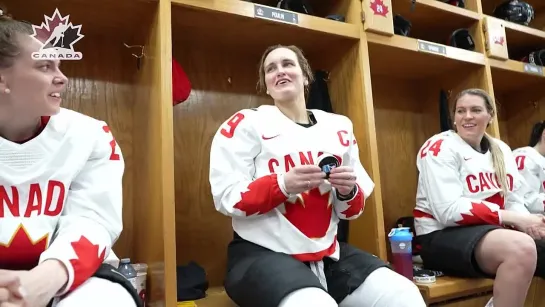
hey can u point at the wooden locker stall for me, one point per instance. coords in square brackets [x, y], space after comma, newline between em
[387, 84]
[520, 97]
[219, 45]
[405, 98]
[408, 74]
[518, 86]
[133, 95]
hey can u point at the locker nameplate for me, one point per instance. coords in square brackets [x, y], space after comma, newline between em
[431, 47]
[533, 69]
[270, 13]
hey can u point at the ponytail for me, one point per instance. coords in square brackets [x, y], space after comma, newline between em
[537, 132]
[498, 162]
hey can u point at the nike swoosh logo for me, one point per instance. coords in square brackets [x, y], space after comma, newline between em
[268, 138]
[467, 159]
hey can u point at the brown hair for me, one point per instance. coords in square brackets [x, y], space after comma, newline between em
[497, 154]
[9, 45]
[303, 62]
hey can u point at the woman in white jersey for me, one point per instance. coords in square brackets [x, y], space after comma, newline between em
[60, 188]
[531, 165]
[264, 174]
[470, 217]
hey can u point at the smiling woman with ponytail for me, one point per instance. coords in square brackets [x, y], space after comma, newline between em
[531, 165]
[470, 215]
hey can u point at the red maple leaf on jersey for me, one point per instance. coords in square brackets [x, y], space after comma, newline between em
[261, 197]
[379, 8]
[497, 199]
[87, 262]
[310, 212]
[480, 214]
[355, 205]
[21, 253]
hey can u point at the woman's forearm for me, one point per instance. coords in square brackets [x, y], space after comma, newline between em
[51, 274]
[509, 218]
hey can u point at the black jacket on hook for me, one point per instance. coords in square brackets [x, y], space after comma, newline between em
[318, 96]
[444, 116]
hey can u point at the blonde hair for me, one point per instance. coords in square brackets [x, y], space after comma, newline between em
[303, 62]
[498, 160]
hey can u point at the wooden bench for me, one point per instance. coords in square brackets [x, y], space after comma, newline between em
[452, 291]
[536, 293]
[460, 292]
[215, 297]
[445, 292]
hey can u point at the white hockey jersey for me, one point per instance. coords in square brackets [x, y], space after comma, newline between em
[458, 186]
[61, 197]
[250, 153]
[531, 165]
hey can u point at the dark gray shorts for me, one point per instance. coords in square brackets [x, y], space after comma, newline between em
[452, 251]
[257, 276]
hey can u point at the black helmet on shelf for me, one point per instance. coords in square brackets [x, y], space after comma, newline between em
[402, 26]
[516, 11]
[461, 38]
[535, 57]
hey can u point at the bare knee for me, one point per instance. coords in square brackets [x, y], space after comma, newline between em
[507, 246]
[523, 251]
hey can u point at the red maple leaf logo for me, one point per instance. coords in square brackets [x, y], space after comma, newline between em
[379, 8]
[21, 252]
[259, 198]
[480, 214]
[499, 40]
[497, 199]
[44, 31]
[87, 262]
[310, 212]
[355, 205]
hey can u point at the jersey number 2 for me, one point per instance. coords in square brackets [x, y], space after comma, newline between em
[232, 123]
[113, 155]
[435, 148]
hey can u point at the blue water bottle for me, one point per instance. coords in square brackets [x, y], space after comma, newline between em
[402, 253]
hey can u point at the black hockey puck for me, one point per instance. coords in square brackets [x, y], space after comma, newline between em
[327, 163]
